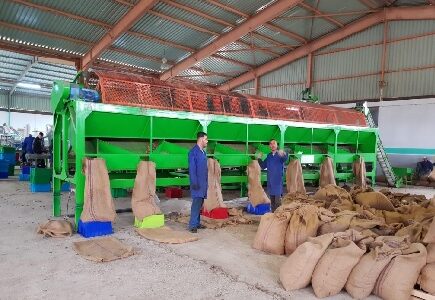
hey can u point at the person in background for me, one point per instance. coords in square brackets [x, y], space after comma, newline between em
[424, 168]
[198, 176]
[274, 163]
[38, 148]
[27, 147]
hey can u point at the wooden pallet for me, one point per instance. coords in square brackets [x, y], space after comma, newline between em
[418, 295]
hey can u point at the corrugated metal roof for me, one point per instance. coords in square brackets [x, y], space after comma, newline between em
[131, 60]
[146, 47]
[23, 101]
[33, 18]
[212, 10]
[347, 63]
[3, 99]
[247, 7]
[249, 57]
[292, 92]
[277, 36]
[102, 10]
[295, 72]
[409, 28]
[411, 53]
[360, 88]
[171, 31]
[221, 66]
[196, 76]
[411, 83]
[246, 88]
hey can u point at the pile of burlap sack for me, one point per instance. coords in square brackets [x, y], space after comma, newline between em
[361, 240]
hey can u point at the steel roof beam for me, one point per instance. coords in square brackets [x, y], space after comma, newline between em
[122, 26]
[388, 14]
[369, 4]
[249, 25]
[318, 12]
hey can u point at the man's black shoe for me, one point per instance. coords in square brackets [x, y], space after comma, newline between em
[193, 230]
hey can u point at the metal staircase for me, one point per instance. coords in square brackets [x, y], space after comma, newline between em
[382, 157]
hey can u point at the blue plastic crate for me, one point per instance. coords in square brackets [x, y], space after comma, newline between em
[40, 187]
[260, 209]
[4, 166]
[94, 228]
[25, 170]
[65, 187]
[24, 177]
[4, 175]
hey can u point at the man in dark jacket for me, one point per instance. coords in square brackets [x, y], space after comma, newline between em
[424, 168]
[38, 148]
[274, 163]
[198, 175]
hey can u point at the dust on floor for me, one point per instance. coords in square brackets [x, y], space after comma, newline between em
[221, 265]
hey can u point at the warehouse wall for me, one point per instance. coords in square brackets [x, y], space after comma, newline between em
[350, 69]
[406, 129]
[37, 122]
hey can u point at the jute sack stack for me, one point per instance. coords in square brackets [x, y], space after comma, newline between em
[334, 267]
[363, 277]
[430, 235]
[294, 177]
[397, 280]
[271, 233]
[297, 270]
[327, 173]
[144, 191]
[359, 171]
[414, 231]
[56, 228]
[256, 193]
[334, 197]
[427, 275]
[214, 189]
[98, 204]
[304, 223]
[374, 200]
[340, 224]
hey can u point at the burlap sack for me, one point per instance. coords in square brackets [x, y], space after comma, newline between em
[417, 212]
[333, 269]
[363, 277]
[365, 220]
[296, 271]
[427, 278]
[166, 235]
[56, 228]
[374, 200]
[359, 171]
[413, 231]
[334, 197]
[271, 233]
[392, 217]
[397, 280]
[256, 193]
[430, 253]
[304, 223]
[144, 191]
[327, 173]
[214, 189]
[340, 224]
[98, 204]
[294, 177]
[431, 176]
[102, 249]
[430, 235]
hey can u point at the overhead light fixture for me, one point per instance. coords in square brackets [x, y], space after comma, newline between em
[29, 86]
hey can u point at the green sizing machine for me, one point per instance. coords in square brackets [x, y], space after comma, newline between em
[127, 119]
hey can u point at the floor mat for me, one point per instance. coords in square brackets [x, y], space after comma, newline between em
[102, 249]
[166, 235]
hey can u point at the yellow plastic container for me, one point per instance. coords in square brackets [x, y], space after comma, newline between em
[154, 221]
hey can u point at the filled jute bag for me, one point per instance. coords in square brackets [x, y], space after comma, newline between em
[98, 204]
[326, 172]
[271, 233]
[297, 270]
[256, 193]
[340, 224]
[214, 189]
[374, 200]
[363, 277]
[398, 278]
[333, 269]
[144, 191]
[427, 278]
[359, 172]
[295, 178]
[304, 223]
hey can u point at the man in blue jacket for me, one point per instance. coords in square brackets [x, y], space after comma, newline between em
[27, 147]
[274, 163]
[198, 175]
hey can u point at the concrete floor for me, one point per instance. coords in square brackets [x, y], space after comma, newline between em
[220, 265]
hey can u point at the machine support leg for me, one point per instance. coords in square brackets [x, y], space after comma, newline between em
[57, 210]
